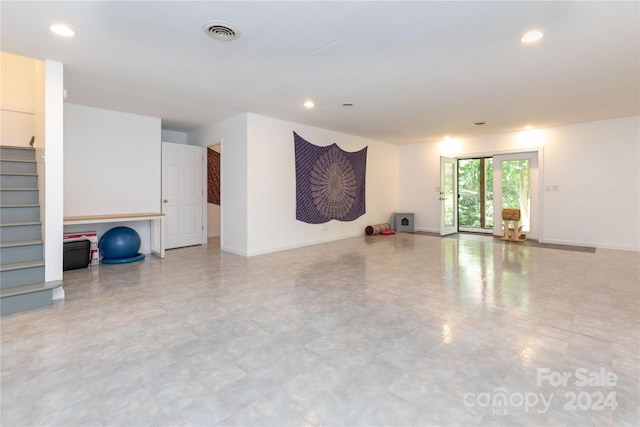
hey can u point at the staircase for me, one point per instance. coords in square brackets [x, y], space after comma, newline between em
[22, 284]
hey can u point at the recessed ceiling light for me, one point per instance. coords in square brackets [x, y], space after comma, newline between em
[309, 104]
[479, 123]
[532, 36]
[527, 127]
[62, 30]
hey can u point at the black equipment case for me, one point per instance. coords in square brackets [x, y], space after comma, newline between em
[76, 255]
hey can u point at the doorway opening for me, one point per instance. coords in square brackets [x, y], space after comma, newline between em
[475, 195]
[516, 189]
[474, 190]
[214, 217]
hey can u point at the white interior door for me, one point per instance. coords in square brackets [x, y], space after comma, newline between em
[182, 194]
[448, 196]
[519, 171]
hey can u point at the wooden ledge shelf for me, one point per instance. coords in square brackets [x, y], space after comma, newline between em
[93, 219]
[156, 219]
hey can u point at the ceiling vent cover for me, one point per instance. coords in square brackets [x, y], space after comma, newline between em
[220, 31]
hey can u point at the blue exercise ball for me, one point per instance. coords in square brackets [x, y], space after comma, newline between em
[119, 242]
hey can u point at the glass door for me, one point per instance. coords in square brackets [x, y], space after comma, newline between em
[475, 195]
[448, 196]
[515, 179]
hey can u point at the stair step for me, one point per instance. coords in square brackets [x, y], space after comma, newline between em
[14, 232]
[26, 230]
[18, 166]
[11, 266]
[20, 213]
[18, 180]
[19, 223]
[17, 243]
[21, 273]
[22, 268]
[26, 302]
[11, 252]
[27, 297]
[18, 196]
[17, 153]
[17, 173]
[33, 287]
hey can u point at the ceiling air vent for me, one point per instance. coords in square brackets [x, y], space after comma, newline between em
[220, 31]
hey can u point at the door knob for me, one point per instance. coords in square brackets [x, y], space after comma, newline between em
[165, 201]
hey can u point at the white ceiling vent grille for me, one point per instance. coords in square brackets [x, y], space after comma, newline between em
[220, 31]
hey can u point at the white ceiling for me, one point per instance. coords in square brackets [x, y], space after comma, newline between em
[415, 71]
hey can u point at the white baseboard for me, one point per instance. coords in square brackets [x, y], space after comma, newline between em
[233, 251]
[590, 245]
[427, 230]
[57, 293]
[301, 245]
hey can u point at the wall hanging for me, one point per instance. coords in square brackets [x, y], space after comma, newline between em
[330, 182]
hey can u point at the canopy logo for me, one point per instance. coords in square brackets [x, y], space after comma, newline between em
[500, 401]
[596, 393]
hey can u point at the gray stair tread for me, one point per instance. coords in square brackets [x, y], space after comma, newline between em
[20, 243]
[18, 265]
[17, 147]
[27, 205]
[4, 159]
[18, 224]
[19, 173]
[27, 289]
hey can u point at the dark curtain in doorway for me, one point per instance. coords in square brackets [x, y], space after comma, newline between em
[213, 177]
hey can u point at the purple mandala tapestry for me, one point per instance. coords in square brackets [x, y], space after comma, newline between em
[330, 182]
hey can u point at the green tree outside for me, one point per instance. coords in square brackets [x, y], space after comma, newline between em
[515, 190]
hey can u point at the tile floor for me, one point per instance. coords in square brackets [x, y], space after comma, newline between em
[404, 330]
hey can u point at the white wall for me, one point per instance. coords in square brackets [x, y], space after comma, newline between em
[258, 196]
[173, 136]
[419, 183]
[53, 169]
[20, 83]
[112, 164]
[232, 135]
[597, 168]
[272, 220]
[595, 165]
